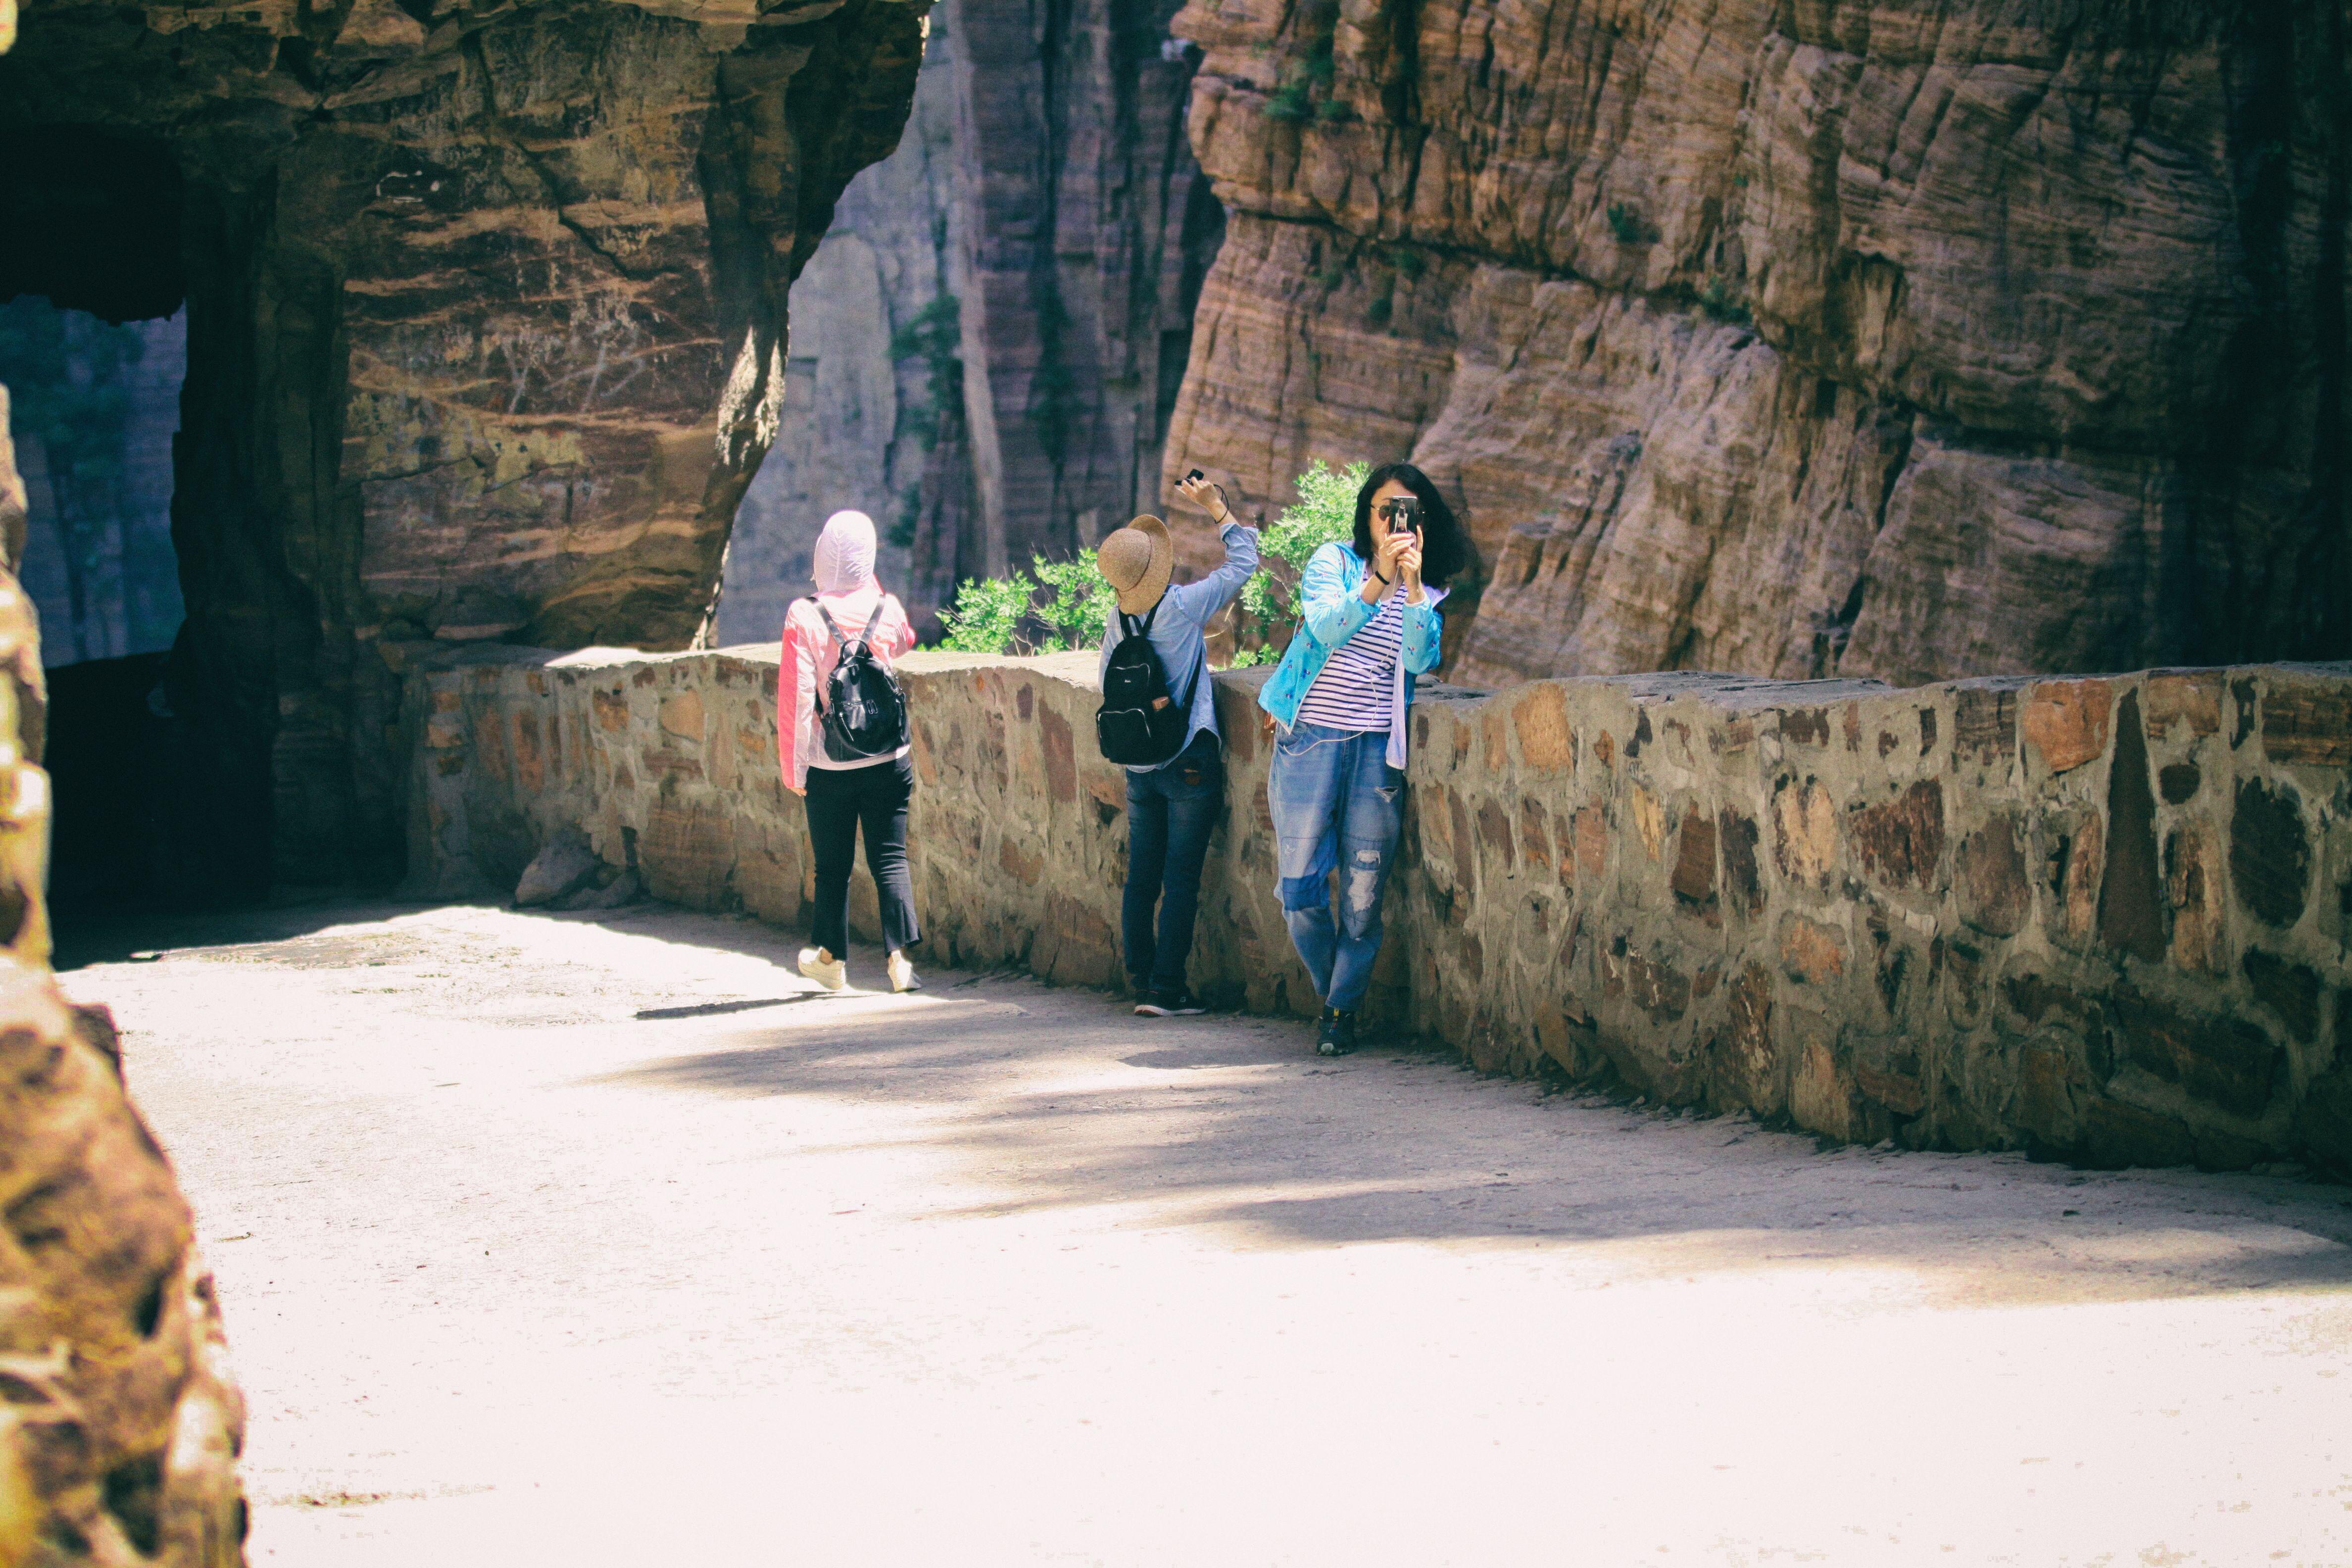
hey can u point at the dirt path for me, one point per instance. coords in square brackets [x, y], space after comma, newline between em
[544, 1241]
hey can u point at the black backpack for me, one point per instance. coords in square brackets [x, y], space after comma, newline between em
[1140, 724]
[864, 713]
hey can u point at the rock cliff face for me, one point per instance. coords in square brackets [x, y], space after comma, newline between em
[873, 403]
[1919, 339]
[487, 332]
[98, 545]
[1036, 247]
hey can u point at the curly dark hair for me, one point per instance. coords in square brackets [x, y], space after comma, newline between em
[1445, 548]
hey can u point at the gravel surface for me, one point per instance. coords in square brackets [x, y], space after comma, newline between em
[564, 1239]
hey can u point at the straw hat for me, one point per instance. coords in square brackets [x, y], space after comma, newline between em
[1136, 561]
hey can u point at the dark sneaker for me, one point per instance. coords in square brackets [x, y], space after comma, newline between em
[1335, 1032]
[1176, 1004]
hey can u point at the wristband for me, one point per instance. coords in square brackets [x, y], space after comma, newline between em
[1376, 572]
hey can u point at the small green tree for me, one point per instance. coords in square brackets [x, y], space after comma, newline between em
[1324, 512]
[1080, 605]
[1006, 615]
[987, 614]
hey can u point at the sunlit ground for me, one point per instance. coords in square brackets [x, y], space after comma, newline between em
[542, 1240]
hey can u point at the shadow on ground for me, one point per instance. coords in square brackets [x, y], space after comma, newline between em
[1061, 1099]
[1056, 1098]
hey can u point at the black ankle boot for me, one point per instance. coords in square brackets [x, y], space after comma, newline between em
[1335, 1032]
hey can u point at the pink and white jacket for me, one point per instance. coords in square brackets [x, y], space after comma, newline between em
[846, 588]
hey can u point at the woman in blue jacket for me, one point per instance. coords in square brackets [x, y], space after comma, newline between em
[1370, 624]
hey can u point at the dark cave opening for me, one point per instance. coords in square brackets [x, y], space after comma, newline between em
[95, 342]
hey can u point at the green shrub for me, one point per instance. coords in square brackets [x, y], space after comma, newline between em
[1324, 511]
[1080, 605]
[1062, 607]
[987, 614]
[1626, 223]
[1332, 111]
[1408, 263]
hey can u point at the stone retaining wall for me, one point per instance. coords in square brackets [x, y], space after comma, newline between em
[2102, 918]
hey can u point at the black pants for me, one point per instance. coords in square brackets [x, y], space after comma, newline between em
[838, 800]
[1171, 812]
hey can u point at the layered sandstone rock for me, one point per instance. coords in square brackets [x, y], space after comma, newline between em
[1002, 312]
[486, 317]
[1919, 339]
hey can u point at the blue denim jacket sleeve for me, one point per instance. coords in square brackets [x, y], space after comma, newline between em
[1335, 611]
[1424, 629]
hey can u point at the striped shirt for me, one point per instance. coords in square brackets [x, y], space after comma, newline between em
[1355, 689]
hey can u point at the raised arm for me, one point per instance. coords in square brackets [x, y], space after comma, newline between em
[1332, 612]
[1200, 602]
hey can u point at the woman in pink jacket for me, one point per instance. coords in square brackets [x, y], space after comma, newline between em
[842, 794]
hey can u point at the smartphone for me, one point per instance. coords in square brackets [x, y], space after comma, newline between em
[1195, 476]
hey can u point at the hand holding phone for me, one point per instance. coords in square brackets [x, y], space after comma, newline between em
[1196, 488]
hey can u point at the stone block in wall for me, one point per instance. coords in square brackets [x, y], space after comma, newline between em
[2269, 852]
[2066, 722]
[2308, 723]
[1995, 893]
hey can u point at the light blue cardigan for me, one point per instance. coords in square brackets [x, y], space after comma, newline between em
[1331, 595]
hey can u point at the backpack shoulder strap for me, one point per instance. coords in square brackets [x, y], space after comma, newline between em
[826, 616]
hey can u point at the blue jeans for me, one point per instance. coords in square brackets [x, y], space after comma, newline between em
[1335, 798]
[1171, 812]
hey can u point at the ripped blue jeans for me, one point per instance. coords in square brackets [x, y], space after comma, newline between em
[1337, 804]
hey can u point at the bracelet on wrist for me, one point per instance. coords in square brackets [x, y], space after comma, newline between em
[1376, 572]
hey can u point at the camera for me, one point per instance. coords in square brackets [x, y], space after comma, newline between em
[1403, 512]
[1195, 476]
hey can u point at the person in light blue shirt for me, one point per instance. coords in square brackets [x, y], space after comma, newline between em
[1172, 808]
[1369, 623]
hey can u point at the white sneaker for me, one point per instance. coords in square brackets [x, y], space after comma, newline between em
[902, 974]
[821, 966]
